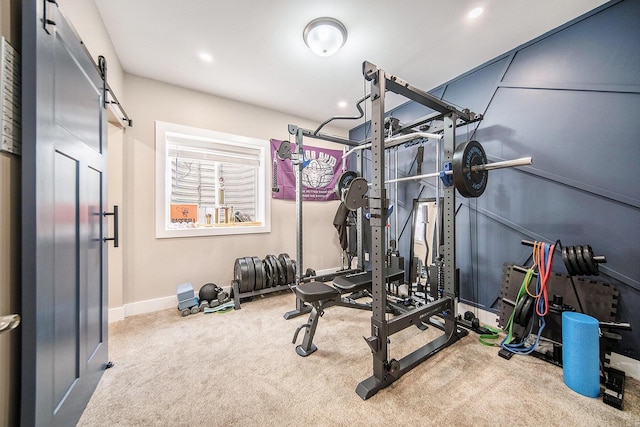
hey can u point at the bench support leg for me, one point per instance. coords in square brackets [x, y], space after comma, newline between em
[307, 347]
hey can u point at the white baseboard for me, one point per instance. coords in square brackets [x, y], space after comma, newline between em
[142, 307]
[485, 317]
[629, 366]
[116, 314]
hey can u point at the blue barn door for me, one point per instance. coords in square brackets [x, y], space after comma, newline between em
[64, 296]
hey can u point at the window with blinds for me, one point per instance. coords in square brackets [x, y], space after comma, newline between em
[214, 182]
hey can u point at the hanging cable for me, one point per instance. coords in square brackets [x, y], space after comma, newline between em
[362, 114]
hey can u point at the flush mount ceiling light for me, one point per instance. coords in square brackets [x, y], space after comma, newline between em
[325, 36]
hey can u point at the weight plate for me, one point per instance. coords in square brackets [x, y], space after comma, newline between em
[343, 182]
[251, 283]
[587, 253]
[573, 261]
[241, 273]
[282, 276]
[465, 156]
[259, 283]
[285, 261]
[293, 271]
[268, 271]
[273, 261]
[268, 275]
[567, 264]
[353, 198]
[582, 264]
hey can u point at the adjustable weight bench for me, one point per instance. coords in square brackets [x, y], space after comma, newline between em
[321, 296]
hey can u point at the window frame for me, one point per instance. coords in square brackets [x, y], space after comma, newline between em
[163, 130]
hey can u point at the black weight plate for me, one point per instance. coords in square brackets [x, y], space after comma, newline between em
[343, 182]
[273, 261]
[468, 183]
[285, 262]
[281, 276]
[276, 269]
[283, 268]
[567, 264]
[270, 271]
[248, 287]
[587, 254]
[268, 275]
[354, 197]
[293, 270]
[573, 261]
[241, 273]
[582, 264]
[259, 284]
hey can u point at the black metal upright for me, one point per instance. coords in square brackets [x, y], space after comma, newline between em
[378, 209]
[385, 370]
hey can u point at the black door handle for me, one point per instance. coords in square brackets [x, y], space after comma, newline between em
[115, 239]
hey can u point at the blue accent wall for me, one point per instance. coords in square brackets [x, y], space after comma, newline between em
[571, 100]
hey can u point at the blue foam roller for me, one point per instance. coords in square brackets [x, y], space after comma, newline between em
[581, 353]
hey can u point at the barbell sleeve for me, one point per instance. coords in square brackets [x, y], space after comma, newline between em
[523, 161]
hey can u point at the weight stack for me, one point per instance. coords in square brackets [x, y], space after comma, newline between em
[580, 353]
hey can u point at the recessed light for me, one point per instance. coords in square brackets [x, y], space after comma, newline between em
[475, 13]
[342, 104]
[206, 57]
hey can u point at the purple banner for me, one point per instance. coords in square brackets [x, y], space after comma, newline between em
[322, 168]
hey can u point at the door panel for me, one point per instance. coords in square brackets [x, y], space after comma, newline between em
[65, 279]
[94, 285]
[73, 109]
[64, 260]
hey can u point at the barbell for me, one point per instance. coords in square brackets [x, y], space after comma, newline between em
[469, 173]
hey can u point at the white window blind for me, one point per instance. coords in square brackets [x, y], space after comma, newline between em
[214, 173]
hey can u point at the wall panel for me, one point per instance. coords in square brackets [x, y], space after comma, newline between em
[570, 99]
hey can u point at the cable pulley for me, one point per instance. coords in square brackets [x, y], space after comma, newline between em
[343, 182]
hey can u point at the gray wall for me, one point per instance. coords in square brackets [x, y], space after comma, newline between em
[571, 100]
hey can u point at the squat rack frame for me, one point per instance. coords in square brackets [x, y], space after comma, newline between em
[297, 160]
[386, 371]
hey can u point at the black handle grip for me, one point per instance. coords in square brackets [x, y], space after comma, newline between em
[116, 240]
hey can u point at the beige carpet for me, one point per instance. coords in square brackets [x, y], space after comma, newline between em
[240, 369]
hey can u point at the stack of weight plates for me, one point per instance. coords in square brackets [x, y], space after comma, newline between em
[253, 274]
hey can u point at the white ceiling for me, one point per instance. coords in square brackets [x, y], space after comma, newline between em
[259, 56]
